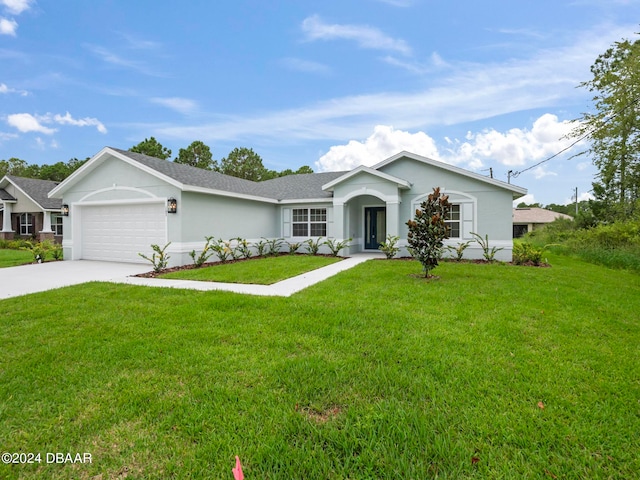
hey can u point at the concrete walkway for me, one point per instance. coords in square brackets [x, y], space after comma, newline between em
[26, 279]
[284, 288]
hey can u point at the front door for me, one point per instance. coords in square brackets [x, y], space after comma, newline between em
[375, 227]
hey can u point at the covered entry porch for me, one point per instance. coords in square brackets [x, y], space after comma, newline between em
[366, 208]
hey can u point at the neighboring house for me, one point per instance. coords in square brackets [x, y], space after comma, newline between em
[122, 202]
[27, 212]
[528, 219]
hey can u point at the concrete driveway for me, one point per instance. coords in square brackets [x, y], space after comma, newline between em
[16, 281]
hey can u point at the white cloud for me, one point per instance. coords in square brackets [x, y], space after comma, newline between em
[25, 122]
[516, 147]
[305, 66]
[528, 199]
[4, 89]
[384, 142]
[182, 105]
[8, 26]
[67, 119]
[16, 7]
[363, 35]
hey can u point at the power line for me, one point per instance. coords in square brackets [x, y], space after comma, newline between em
[513, 174]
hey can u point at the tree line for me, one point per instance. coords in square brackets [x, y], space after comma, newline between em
[241, 163]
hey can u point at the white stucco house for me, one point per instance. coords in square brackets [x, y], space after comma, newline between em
[118, 205]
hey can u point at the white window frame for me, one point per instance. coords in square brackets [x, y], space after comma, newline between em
[450, 221]
[26, 224]
[56, 225]
[310, 218]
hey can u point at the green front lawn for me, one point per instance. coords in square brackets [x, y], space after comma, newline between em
[13, 258]
[493, 371]
[263, 271]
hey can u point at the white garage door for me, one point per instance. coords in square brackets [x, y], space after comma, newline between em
[117, 233]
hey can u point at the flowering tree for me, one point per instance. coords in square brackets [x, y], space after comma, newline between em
[428, 230]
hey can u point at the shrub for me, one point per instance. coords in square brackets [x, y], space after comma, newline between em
[313, 246]
[459, 249]
[261, 248]
[293, 247]
[221, 249]
[38, 250]
[489, 254]
[335, 246]
[526, 253]
[273, 245]
[242, 248]
[159, 259]
[390, 246]
[428, 230]
[204, 255]
[56, 251]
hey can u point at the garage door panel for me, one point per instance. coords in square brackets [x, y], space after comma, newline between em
[119, 232]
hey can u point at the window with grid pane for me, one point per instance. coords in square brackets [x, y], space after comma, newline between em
[56, 225]
[26, 224]
[453, 221]
[309, 222]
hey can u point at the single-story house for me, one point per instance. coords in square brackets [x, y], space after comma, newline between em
[27, 212]
[528, 219]
[120, 203]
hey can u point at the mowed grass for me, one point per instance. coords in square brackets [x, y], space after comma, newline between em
[493, 371]
[262, 271]
[13, 258]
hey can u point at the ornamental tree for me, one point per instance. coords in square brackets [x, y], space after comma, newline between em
[428, 230]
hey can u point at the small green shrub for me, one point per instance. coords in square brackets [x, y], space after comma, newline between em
[335, 246]
[242, 248]
[159, 259]
[273, 245]
[489, 254]
[390, 246]
[459, 249]
[39, 250]
[204, 255]
[293, 247]
[313, 246]
[221, 249]
[261, 247]
[57, 252]
[526, 253]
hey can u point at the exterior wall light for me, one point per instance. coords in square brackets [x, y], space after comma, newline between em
[172, 205]
[65, 210]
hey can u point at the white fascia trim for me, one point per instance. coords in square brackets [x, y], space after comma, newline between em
[445, 166]
[223, 193]
[98, 159]
[300, 201]
[385, 176]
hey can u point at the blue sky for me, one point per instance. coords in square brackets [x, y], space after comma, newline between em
[329, 84]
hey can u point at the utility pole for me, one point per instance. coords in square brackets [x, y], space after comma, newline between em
[576, 201]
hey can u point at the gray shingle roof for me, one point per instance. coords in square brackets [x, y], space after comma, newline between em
[291, 187]
[38, 190]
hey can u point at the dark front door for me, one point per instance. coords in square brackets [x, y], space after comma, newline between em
[375, 227]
